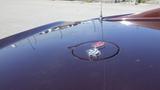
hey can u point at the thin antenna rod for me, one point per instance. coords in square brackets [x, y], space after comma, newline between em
[101, 12]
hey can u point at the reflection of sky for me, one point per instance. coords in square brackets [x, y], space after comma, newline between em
[85, 31]
[40, 43]
[56, 33]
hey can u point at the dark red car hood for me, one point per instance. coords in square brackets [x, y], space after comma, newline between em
[42, 59]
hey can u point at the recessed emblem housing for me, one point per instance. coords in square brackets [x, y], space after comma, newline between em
[95, 50]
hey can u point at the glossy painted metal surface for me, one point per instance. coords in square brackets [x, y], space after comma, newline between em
[43, 60]
[148, 15]
[148, 19]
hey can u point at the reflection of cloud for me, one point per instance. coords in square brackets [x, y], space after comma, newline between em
[13, 45]
[49, 30]
[126, 23]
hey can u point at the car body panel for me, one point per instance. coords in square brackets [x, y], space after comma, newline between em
[44, 61]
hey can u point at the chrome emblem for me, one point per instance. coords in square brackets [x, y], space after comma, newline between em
[93, 53]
